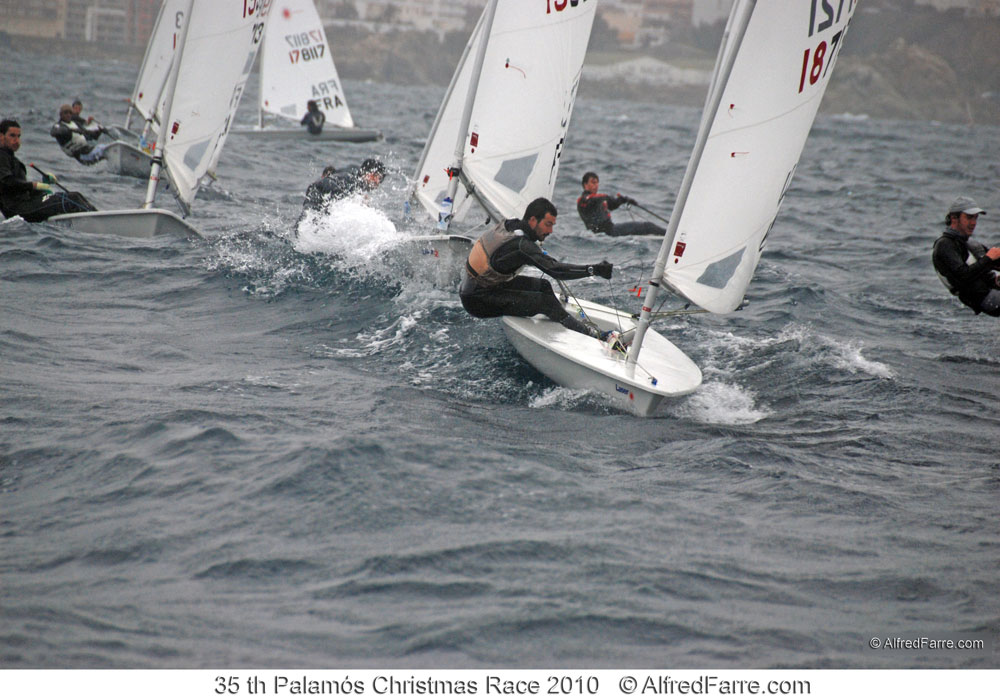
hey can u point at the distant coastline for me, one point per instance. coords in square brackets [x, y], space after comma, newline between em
[948, 70]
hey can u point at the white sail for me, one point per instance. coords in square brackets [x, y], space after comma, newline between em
[766, 109]
[521, 109]
[297, 65]
[215, 62]
[159, 54]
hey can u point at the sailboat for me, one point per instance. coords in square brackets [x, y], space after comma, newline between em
[131, 152]
[199, 105]
[497, 138]
[296, 66]
[772, 69]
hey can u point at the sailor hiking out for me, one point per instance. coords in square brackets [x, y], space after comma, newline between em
[78, 141]
[492, 286]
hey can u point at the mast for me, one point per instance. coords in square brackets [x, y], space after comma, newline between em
[463, 129]
[154, 172]
[260, 78]
[719, 80]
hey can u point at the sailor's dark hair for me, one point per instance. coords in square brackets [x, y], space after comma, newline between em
[538, 208]
[6, 124]
[588, 175]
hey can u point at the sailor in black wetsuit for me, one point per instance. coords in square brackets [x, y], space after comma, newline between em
[314, 119]
[76, 140]
[977, 285]
[32, 201]
[595, 210]
[492, 287]
[334, 184]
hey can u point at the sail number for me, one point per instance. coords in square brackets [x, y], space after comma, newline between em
[816, 62]
[252, 7]
[311, 53]
[300, 39]
[560, 5]
[822, 15]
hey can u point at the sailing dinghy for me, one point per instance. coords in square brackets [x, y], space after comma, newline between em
[199, 106]
[497, 138]
[773, 67]
[296, 66]
[131, 154]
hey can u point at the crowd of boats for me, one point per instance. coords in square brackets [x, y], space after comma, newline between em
[495, 145]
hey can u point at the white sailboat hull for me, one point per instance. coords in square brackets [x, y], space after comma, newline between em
[125, 159]
[133, 223]
[580, 362]
[438, 259]
[351, 134]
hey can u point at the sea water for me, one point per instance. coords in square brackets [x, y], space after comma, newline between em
[270, 448]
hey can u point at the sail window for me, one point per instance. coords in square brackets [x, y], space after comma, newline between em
[718, 274]
[513, 174]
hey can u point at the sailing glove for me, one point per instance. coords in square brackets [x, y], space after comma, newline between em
[603, 269]
[42, 186]
[49, 178]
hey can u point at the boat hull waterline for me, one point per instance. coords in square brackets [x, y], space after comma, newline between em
[578, 361]
[132, 223]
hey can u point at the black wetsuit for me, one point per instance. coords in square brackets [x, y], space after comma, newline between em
[595, 210]
[333, 187]
[314, 121]
[522, 295]
[970, 283]
[76, 141]
[18, 196]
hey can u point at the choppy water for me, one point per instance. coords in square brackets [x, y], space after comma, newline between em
[257, 451]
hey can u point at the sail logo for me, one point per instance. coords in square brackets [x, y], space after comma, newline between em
[560, 5]
[822, 15]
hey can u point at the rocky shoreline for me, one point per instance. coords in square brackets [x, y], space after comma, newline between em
[900, 81]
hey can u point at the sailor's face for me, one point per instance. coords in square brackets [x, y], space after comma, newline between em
[590, 187]
[543, 227]
[12, 139]
[967, 224]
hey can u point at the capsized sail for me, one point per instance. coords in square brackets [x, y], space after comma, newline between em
[522, 106]
[297, 65]
[766, 109]
[215, 62]
[148, 90]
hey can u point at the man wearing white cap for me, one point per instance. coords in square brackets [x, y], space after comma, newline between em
[967, 268]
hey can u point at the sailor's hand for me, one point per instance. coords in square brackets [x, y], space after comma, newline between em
[42, 186]
[603, 269]
[993, 253]
[49, 179]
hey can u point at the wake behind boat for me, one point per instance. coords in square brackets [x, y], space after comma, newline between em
[296, 68]
[772, 69]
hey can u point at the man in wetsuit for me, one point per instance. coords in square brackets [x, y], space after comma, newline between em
[334, 184]
[76, 141]
[32, 201]
[314, 119]
[595, 210]
[977, 285]
[492, 287]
